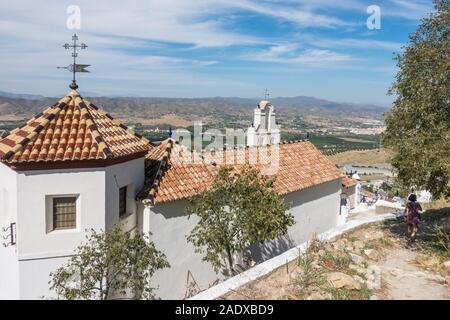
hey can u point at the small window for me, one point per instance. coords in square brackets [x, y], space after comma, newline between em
[64, 213]
[122, 201]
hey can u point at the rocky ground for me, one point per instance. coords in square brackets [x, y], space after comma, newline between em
[372, 262]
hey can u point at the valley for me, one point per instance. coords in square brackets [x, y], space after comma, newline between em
[333, 127]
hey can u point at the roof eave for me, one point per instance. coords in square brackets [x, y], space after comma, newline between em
[72, 164]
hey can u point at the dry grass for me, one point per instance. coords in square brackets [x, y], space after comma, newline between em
[12, 117]
[375, 157]
[355, 140]
[172, 120]
[305, 277]
[437, 204]
[373, 177]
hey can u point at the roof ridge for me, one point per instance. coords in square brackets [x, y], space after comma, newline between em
[159, 173]
[234, 147]
[48, 119]
[116, 121]
[92, 126]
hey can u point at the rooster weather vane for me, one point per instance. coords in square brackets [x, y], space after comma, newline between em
[74, 68]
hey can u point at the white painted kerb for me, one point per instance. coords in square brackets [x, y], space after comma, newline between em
[268, 266]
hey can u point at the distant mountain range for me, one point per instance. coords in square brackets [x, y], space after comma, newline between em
[20, 96]
[24, 106]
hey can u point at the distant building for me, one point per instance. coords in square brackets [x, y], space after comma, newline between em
[351, 190]
[368, 196]
[264, 129]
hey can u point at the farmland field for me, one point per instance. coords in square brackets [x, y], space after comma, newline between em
[331, 144]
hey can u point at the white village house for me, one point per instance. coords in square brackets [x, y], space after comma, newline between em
[73, 167]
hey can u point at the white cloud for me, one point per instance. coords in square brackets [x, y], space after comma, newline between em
[302, 17]
[143, 40]
[370, 44]
[290, 54]
[202, 23]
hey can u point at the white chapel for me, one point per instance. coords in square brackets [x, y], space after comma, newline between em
[67, 170]
[72, 168]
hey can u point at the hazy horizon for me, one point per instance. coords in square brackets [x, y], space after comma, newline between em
[257, 99]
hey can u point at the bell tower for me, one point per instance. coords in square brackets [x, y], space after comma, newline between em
[264, 129]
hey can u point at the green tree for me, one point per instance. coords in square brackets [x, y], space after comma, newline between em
[237, 211]
[418, 126]
[109, 263]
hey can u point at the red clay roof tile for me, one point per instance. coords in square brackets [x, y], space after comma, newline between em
[70, 130]
[300, 166]
[346, 181]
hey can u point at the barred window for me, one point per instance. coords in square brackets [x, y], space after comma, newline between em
[64, 213]
[122, 201]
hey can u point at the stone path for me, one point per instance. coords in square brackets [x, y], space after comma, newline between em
[391, 268]
[403, 280]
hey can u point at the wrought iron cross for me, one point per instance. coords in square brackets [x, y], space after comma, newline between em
[266, 94]
[74, 68]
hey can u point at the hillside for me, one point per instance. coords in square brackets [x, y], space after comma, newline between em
[374, 261]
[233, 111]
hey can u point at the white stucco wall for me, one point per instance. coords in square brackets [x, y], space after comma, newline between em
[315, 210]
[169, 227]
[132, 175]
[40, 250]
[35, 275]
[9, 266]
[33, 240]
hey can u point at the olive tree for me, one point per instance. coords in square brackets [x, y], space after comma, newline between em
[109, 264]
[418, 126]
[237, 211]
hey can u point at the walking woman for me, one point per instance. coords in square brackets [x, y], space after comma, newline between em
[412, 214]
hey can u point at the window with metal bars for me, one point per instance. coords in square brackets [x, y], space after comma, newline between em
[64, 213]
[122, 201]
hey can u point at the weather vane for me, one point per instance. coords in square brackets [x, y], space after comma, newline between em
[74, 68]
[266, 94]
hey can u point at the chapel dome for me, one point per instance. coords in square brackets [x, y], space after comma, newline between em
[74, 131]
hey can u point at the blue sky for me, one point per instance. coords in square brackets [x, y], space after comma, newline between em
[203, 48]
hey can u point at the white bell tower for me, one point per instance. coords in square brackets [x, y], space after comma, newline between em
[264, 130]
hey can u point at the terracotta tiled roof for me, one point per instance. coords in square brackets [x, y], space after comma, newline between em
[73, 129]
[169, 178]
[347, 182]
[367, 193]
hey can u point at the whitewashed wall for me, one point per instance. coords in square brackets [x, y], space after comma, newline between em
[33, 240]
[40, 251]
[9, 266]
[315, 210]
[132, 175]
[169, 227]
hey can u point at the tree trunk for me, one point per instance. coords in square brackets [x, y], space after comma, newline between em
[230, 261]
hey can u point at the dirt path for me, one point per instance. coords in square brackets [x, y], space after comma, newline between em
[403, 280]
[370, 262]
